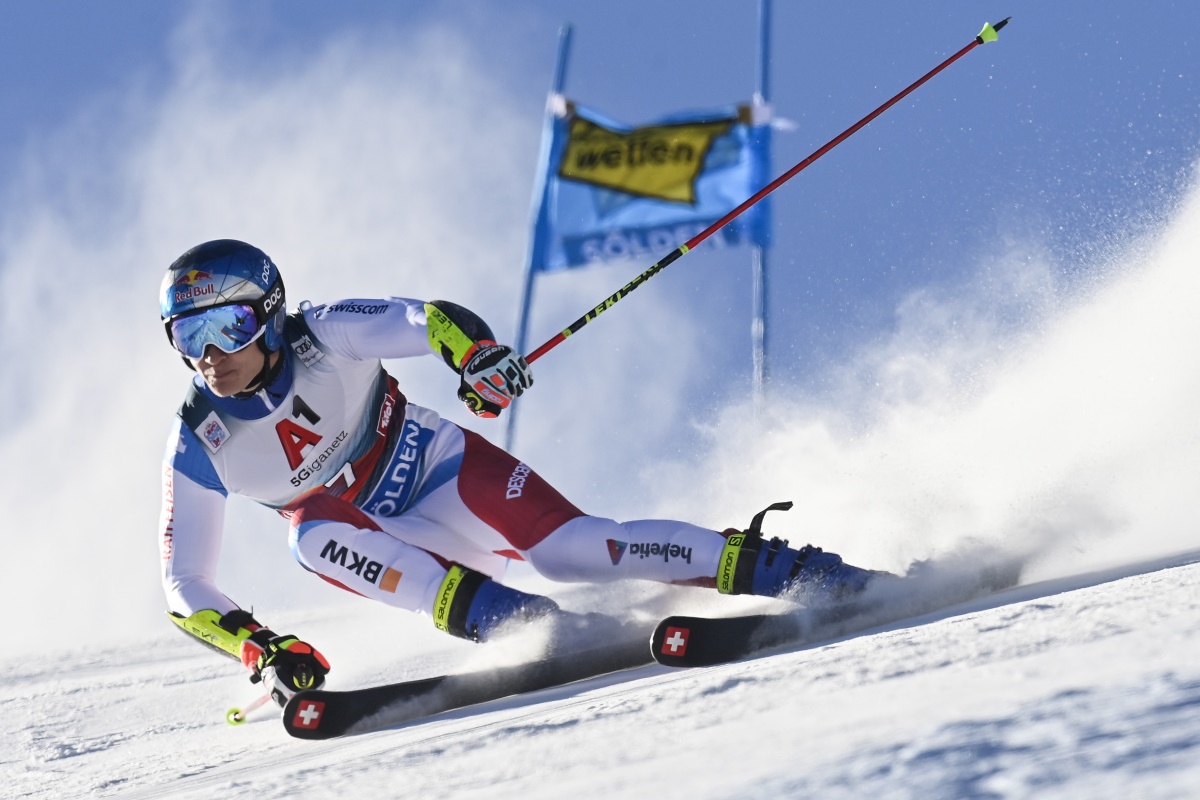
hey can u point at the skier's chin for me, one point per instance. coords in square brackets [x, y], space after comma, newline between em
[224, 385]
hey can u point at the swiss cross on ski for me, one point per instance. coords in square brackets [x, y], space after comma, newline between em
[308, 715]
[675, 642]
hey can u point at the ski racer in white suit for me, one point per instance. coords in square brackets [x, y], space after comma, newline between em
[385, 498]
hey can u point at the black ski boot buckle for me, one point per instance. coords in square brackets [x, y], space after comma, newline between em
[755, 528]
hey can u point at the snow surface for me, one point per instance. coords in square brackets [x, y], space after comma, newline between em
[1072, 687]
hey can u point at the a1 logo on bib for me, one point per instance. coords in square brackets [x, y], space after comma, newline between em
[295, 437]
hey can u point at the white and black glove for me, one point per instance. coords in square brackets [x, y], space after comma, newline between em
[491, 377]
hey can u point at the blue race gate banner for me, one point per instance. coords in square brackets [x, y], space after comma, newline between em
[612, 192]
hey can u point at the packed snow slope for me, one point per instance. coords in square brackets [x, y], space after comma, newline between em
[1078, 687]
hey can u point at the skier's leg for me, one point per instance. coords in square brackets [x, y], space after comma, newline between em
[347, 548]
[542, 527]
[519, 508]
[598, 550]
[734, 562]
[534, 522]
[351, 550]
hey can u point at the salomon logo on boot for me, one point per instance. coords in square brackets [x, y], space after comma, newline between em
[750, 565]
[472, 606]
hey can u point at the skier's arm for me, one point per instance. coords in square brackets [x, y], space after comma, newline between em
[190, 538]
[491, 374]
[189, 532]
[361, 329]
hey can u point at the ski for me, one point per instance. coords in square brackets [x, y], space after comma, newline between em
[328, 714]
[689, 641]
[679, 641]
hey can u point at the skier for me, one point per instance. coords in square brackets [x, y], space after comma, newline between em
[385, 498]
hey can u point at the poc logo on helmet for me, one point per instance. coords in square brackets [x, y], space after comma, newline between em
[272, 301]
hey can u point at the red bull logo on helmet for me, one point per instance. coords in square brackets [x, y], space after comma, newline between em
[193, 276]
[192, 284]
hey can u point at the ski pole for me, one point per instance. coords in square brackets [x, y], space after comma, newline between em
[237, 716]
[988, 34]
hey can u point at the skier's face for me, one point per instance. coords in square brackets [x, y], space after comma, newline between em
[228, 373]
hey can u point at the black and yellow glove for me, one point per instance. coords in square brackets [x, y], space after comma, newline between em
[283, 664]
[287, 665]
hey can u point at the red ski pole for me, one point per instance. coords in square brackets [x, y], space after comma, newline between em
[988, 34]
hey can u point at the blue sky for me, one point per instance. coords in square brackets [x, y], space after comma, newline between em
[1081, 120]
[919, 272]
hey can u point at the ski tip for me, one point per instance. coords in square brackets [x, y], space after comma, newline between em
[990, 32]
[669, 644]
[304, 717]
[682, 641]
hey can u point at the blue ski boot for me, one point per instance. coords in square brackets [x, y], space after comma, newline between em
[752, 565]
[470, 605]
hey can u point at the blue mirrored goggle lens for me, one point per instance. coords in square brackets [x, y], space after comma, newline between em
[229, 328]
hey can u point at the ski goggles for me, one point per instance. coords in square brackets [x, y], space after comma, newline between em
[228, 328]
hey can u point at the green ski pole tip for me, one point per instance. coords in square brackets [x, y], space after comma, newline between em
[990, 32]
